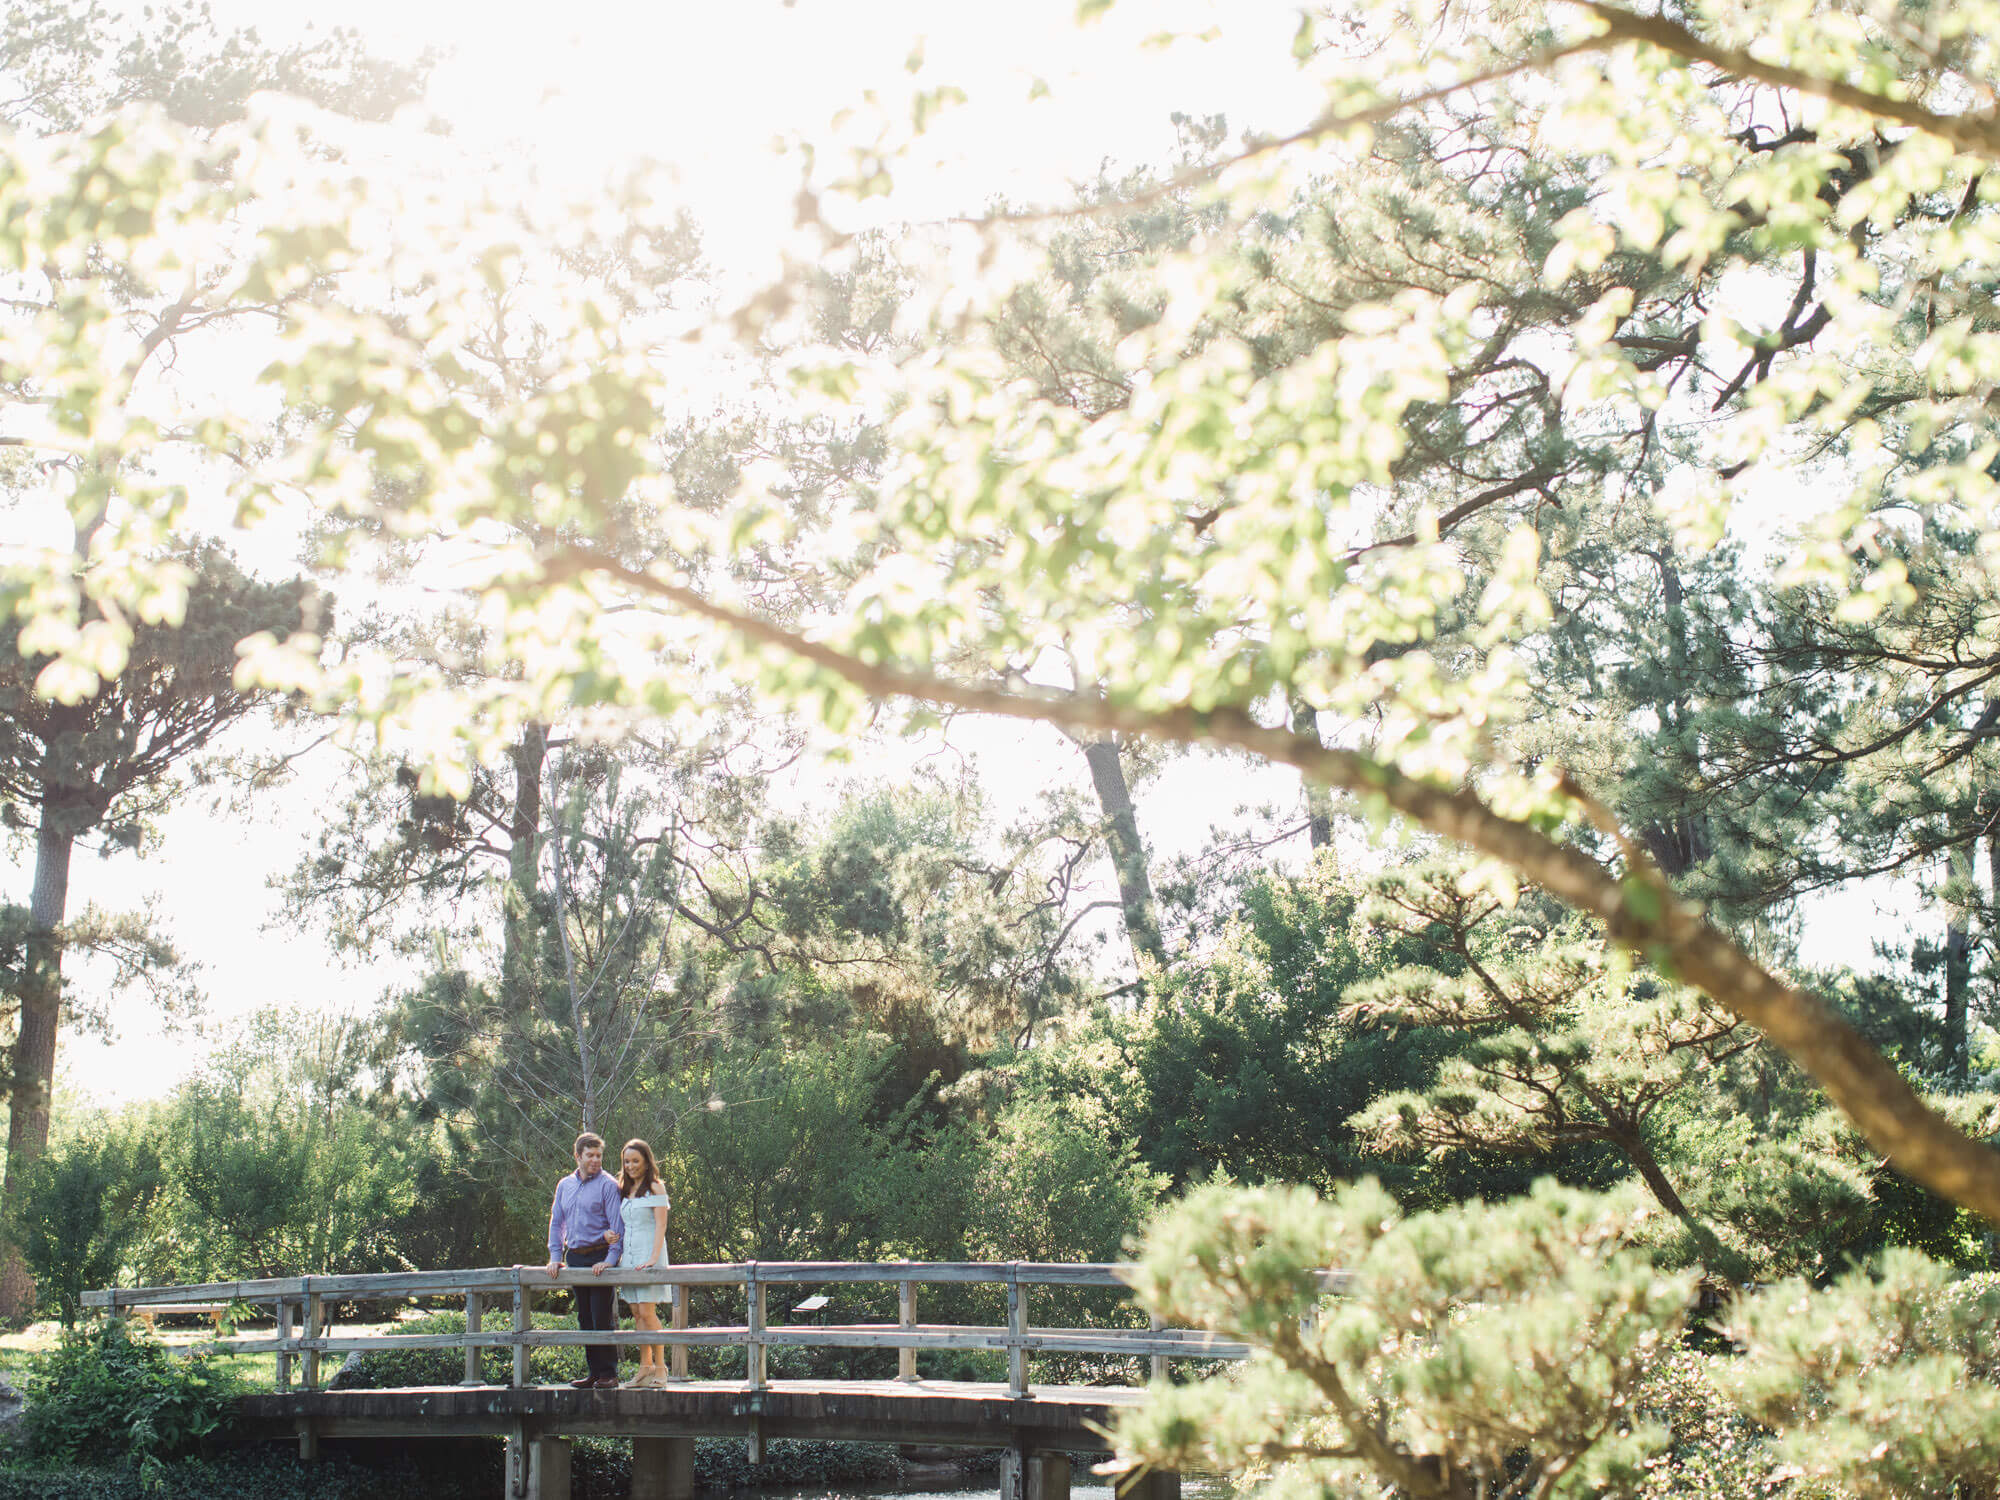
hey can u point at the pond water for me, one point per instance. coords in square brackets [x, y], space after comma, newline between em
[474, 1473]
[916, 1489]
[1200, 1487]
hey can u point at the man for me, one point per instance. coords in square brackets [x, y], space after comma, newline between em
[583, 1231]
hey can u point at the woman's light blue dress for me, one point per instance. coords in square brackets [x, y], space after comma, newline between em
[638, 1246]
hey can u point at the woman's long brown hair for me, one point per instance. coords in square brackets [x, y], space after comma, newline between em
[627, 1188]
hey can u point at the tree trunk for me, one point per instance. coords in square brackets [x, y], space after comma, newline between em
[1319, 796]
[1650, 1172]
[1128, 853]
[1960, 897]
[529, 755]
[34, 1060]
[1989, 916]
[1677, 839]
[586, 1051]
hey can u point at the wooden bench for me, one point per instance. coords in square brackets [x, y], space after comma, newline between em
[212, 1310]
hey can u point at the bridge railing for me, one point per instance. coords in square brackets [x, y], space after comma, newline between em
[302, 1337]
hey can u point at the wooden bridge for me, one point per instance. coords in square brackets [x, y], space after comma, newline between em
[1037, 1426]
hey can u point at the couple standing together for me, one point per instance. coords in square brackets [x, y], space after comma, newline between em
[600, 1222]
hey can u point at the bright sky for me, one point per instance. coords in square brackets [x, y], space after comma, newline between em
[713, 89]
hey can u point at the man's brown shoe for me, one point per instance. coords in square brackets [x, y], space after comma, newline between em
[584, 1384]
[606, 1382]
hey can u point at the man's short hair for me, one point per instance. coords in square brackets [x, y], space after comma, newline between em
[585, 1141]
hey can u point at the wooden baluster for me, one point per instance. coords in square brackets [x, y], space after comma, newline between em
[315, 1321]
[755, 1340]
[906, 1317]
[520, 1327]
[680, 1355]
[284, 1376]
[475, 1315]
[1017, 1332]
[1156, 1323]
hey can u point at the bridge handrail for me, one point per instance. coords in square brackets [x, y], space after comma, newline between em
[517, 1285]
[1112, 1274]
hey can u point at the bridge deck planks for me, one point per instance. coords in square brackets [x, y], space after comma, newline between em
[944, 1413]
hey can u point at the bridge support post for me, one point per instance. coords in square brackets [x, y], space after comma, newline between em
[753, 1339]
[1017, 1335]
[537, 1466]
[662, 1468]
[475, 1310]
[548, 1468]
[906, 1317]
[1028, 1475]
[680, 1354]
[520, 1327]
[308, 1441]
[1154, 1484]
[284, 1370]
[315, 1328]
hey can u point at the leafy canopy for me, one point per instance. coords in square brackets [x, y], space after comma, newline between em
[1248, 524]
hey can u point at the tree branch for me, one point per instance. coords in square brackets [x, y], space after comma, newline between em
[1640, 910]
[1333, 122]
[1977, 134]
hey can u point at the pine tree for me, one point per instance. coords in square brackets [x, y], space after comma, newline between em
[100, 767]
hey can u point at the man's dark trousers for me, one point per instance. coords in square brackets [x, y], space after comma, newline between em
[596, 1307]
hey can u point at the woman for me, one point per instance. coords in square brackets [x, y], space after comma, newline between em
[644, 1211]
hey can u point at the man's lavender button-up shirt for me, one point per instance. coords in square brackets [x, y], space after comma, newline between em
[583, 1213]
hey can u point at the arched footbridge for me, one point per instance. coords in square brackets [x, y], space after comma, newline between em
[1037, 1425]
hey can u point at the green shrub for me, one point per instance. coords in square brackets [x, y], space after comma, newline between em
[721, 1463]
[602, 1467]
[262, 1473]
[106, 1392]
[266, 1182]
[1714, 1452]
[395, 1369]
[1883, 1386]
[80, 1208]
[440, 1469]
[1502, 1344]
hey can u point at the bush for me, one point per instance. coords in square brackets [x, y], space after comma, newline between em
[431, 1470]
[1713, 1451]
[266, 1184]
[1882, 1386]
[1503, 1344]
[81, 1206]
[104, 1392]
[394, 1369]
[720, 1463]
[806, 1172]
[442, 1469]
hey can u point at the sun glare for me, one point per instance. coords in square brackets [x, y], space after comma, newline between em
[734, 98]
